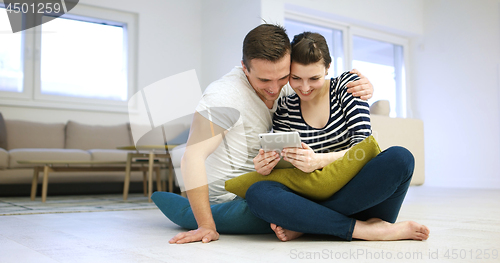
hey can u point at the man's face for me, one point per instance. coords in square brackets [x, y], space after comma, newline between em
[267, 78]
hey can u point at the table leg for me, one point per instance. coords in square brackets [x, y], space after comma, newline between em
[145, 183]
[46, 170]
[158, 178]
[150, 175]
[126, 184]
[170, 177]
[34, 184]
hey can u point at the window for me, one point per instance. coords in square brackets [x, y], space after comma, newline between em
[81, 60]
[333, 38]
[98, 69]
[11, 57]
[382, 63]
[378, 56]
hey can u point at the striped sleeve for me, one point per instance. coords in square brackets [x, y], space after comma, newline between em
[281, 121]
[356, 111]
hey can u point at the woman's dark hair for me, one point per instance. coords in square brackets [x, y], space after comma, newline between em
[267, 41]
[309, 48]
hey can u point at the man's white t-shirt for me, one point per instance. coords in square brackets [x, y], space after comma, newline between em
[233, 104]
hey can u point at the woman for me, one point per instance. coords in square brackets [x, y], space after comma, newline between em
[330, 121]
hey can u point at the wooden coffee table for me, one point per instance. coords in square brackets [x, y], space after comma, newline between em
[48, 166]
[153, 152]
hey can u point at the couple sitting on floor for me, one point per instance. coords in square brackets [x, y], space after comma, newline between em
[332, 119]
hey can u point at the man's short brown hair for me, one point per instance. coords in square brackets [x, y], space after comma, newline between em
[267, 41]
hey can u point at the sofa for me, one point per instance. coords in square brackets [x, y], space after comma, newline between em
[388, 132]
[406, 132]
[27, 140]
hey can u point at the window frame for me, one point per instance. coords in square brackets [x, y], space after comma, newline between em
[403, 107]
[27, 62]
[292, 15]
[32, 96]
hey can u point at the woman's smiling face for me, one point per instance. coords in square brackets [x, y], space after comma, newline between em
[308, 81]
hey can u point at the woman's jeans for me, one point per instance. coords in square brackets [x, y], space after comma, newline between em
[377, 191]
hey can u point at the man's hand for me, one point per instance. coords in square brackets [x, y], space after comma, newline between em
[305, 159]
[264, 162]
[360, 88]
[202, 234]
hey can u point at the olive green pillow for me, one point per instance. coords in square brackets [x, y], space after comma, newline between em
[317, 185]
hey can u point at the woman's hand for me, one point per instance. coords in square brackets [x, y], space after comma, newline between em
[303, 158]
[264, 162]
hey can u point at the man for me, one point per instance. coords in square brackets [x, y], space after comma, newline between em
[224, 133]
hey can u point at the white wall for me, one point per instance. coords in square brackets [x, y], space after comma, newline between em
[169, 42]
[456, 92]
[224, 26]
[392, 16]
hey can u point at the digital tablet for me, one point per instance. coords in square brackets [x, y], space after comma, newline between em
[278, 141]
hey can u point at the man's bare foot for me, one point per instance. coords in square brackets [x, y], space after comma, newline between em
[377, 229]
[285, 234]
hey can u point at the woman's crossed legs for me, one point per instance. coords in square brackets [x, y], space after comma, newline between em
[366, 208]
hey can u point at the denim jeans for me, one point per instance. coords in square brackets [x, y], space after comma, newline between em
[377, 191]
[233, 217]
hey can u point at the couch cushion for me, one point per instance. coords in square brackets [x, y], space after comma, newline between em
[27, 134]
[46, 154]
[405, 132]
[108, 155]
[380, 107]
[3, 133]
[4, 159]
[86, 137]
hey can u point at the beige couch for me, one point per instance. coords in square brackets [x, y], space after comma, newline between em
[24, 140]
[405, 132]
[388, 131]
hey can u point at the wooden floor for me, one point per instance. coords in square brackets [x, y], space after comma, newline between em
[464, 224]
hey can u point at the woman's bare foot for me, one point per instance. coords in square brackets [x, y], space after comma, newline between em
[285, 234]
[377, 229]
